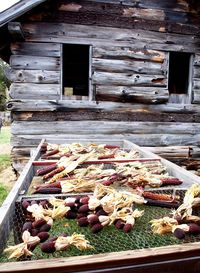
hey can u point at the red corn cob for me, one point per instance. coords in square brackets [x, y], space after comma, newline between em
[34, 232]
[38, 223]
[51, 174]
[83, 209]
[111, 146]
[106, 156]
[191, 229]
[48, 247]
[25, 204]
[157, 196]
[71, 215]
[46, 169]
[127, 228]
[179, 233]
[27, 226]
[171, 181]
[43, 236]
[114, 177]
[45, 227]
[46, 186]
[163, 204]
[83, 222]
[48, 190]
[47, 154]
[96, 228]
[119, 224]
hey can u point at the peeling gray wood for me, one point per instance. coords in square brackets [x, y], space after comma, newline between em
[128, 79]
[135, 94]
[34, 62]
[36, 49]
[130, 53]
[123, 66]
[96, 35]
[104, 127]
[59, 105]
[33, 76]
[33, 91]
[140, 139]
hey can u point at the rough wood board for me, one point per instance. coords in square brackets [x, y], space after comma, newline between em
[101, 127]
[34, 91]
[36, 49]
[60, 105]
[33, 76]
[34, 62]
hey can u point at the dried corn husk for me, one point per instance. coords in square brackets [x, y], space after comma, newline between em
[22, 249]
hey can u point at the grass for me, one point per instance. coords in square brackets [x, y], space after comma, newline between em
[5, 161]
[3, 193]
[5, 135]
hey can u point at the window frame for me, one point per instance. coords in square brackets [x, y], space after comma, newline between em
[189, 96]
[90, 96]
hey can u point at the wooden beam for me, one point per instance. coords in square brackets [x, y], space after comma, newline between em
[62, 105]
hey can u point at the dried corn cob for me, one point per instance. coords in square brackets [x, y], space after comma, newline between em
[50, 153]
[45, 186]
[160, 197]
[171, 181]
[46, 169]
[52, 173]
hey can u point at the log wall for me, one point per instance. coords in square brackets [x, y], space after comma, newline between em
[130, 42]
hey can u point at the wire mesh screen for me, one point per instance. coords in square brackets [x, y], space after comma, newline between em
[109, 239]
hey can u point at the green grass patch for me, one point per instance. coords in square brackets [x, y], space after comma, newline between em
[3, 193]
[5, 162]
[5, 135]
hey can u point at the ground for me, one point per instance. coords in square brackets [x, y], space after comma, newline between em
[7, 176]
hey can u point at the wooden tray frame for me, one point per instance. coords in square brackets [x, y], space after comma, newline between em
[184, 258]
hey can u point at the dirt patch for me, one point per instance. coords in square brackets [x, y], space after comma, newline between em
[5, 149]
[8, 178]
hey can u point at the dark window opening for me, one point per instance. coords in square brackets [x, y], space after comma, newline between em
[179, 71]
[75, 70]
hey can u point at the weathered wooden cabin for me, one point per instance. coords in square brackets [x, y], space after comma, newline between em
[101, 69]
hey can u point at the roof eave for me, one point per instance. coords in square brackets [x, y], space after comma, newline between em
[17, 10]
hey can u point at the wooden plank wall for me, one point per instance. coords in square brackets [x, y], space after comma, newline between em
[131, 41]
[35, 71]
